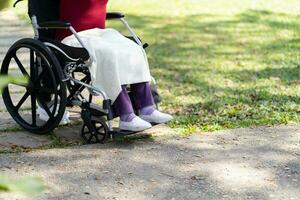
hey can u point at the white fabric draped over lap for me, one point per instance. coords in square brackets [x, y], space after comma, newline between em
[117, 60]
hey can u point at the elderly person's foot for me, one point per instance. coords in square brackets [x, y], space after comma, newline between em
[157, 117]
[135, 125]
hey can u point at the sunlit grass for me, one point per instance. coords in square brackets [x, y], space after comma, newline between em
[222, 64]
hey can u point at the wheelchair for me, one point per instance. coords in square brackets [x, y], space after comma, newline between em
[59, 74]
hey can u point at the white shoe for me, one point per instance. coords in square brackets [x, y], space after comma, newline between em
[157, 117]
[45, 117]
[137, 124]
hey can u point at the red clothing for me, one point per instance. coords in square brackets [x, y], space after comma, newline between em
[82, 14]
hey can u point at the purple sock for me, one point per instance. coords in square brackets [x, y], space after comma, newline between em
[148, 110]
[127, 117]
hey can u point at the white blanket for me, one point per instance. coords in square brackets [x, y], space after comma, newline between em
[116, 60]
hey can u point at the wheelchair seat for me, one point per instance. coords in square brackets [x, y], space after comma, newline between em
[71, 53]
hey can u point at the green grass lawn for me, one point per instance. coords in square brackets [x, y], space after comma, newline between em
[222, 63]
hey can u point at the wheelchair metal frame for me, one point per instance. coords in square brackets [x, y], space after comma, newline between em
[91, 89]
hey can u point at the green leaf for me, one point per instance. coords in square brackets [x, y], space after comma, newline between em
[29, 185]
[5, 80]
[4, 182]
[4, 4]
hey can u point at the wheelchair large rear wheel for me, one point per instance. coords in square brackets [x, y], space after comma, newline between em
[31, 58]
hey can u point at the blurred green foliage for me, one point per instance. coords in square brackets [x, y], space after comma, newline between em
[4, 4]
[5, 80]
[29, 185]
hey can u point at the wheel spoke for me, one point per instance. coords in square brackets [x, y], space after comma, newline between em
[55, 103]
[21, 67]
[90, 138]
[23, 99]
[41, 75]
[33, 109]
[97, 138]
[32, 65]
[46, 108]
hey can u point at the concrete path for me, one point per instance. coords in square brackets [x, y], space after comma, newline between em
[261, 163]
[11, 29]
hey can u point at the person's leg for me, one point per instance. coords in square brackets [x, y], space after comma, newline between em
[128, 120]
[123, 106]
[143, 101]
[142, 98]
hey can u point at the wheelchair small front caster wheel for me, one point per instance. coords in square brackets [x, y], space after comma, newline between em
[100, 133]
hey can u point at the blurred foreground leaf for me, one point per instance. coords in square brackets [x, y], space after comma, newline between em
[29, 185]
[5, 80]
[4, 4]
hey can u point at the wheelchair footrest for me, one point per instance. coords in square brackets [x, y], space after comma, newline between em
[117, 133]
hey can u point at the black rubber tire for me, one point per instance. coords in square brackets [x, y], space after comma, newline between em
[93, 138]
[35, 87]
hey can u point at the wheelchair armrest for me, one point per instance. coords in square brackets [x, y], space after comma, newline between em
[114, 15]
[54, 24]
